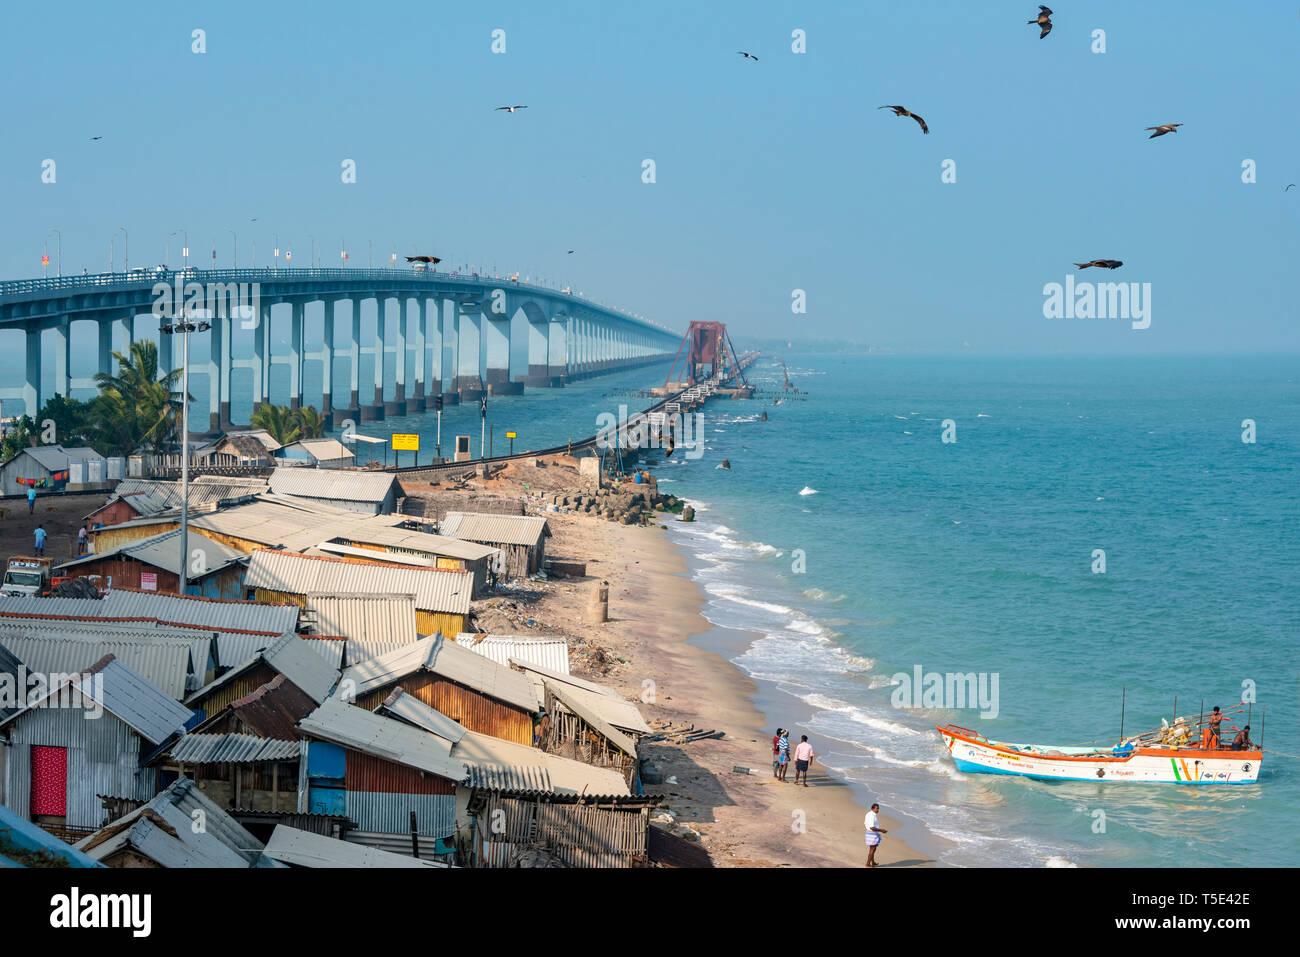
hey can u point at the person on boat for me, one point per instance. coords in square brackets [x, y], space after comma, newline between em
[1216, 718]
[1242, 741]
[874, 833]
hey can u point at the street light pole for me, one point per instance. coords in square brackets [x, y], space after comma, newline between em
[184, 327]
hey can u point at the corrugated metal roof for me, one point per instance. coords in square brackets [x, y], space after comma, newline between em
[438, 590]
[164, 551]
[161, 655]
[564, 775]
[55, 458]
[399, 704]
[331, 649]
[81, 607]
[605, 702]
[126, 695]
[549, 653]
[273, 710]
[450, 661]
[342, 485]
[10, 665]
[370, 617]
[572, 698]
[407, 543]
[289, 656]
[494, 529]
[155, 497]
[232, 749]
[509, 779]
[387, 738]
[213, 613]
[289, 845]
[163, 831]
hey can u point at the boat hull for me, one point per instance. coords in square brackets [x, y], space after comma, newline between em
[975, 754]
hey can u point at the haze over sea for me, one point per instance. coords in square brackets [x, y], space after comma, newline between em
[977, 556]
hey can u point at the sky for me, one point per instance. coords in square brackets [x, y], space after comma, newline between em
[771, 176]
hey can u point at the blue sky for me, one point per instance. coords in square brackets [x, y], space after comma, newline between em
[771, 176]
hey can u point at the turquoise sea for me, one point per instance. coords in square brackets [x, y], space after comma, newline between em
[978, 556]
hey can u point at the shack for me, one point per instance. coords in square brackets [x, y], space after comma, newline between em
[521, 537]
[366, 492]
[52, 468]
[135, 498]
[473, 691]
[442, 596]
[288, 656]
[56, 763]
[214, 570]
[316, 453]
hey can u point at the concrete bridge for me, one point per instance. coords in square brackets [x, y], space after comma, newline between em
[458, 336]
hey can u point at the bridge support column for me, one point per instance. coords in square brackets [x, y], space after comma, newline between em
[469, 381]
[296, 343]
[496, 354]
[398, 405]
[354, 361]
[375, 411]
[166, 362]
[419, 367]
[327, 362]
[32, 381]
[449, 354]
[556, 351]
[537, 374]
[262, 356]
[216, 369]
[431, 349]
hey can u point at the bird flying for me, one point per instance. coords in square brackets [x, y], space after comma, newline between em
[748, 56]
[904, 111]
[569, 253]
[510, 108]
[423, 259]
[97, 137]
[1101, 264]
[1162, 130]
[1289, 185]
[1044, 20]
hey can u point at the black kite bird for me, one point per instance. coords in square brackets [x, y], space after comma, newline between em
[904, 111]
[748, 56]
[1044, 20]
[510, 108]
[1101, 264]
[1162, 130]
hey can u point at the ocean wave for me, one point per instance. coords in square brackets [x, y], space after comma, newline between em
[806, 490]
[818, 594]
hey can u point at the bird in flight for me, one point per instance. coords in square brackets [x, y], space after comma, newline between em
[1044, 20]
[97, 137]
[904, 111]
[1101, 264]
[1289, 185]
[569, 253]
[748, 56]
[510, 108]
[1162, 130]
[423, 259]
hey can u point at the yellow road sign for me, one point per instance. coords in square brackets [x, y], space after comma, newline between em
[406, 442]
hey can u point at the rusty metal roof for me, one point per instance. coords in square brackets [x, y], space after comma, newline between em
[447, 660]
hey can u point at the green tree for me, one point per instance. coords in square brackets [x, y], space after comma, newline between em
[311, 424]
[17, 437]
[279, 421]
[74, 421]
[138, 406]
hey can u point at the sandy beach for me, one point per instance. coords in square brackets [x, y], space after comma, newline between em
[645, 651]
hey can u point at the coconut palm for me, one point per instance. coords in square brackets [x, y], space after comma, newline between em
[280, 422]
[311, 424]
[137, 406]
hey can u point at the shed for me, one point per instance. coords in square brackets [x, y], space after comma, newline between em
[289, 656]
[317, 453]
[473, 691]
[51, 468]
[57, 763]
[364, 491]
[521, 537]
[442, 596]
[143, 498]
[296, 848]
[154, 564]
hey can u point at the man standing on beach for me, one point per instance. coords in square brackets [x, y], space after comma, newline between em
[40, 540]
[874, 832]
[803, 755]
[776, 753]
[783, 755]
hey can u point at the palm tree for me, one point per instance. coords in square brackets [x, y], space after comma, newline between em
[280, 422]
[311, 424]
[137, 406]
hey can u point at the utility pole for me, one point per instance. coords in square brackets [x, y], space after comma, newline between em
[184, 327]
[482, 441]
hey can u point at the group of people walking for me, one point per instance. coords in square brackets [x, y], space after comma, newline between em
[803, 756]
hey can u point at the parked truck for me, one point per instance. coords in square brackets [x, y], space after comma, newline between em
[25, 575]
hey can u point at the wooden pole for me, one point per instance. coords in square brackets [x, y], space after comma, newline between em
[1123, 702]
[415, 838]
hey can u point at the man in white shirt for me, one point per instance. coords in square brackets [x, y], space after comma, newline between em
[874, 832]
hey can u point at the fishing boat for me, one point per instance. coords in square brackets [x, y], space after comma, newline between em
[1164, 756]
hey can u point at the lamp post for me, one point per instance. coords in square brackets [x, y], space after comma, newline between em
[60, 234]
[184, 326]
[126, 249]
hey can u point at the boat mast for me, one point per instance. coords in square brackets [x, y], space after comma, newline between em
[1123, 701]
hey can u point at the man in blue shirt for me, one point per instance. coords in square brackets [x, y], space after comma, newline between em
[31, 499]
[40, 540]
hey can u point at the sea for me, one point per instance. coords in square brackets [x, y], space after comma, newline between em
[849, 545]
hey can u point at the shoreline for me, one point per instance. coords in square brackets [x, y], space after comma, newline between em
[654, 651]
